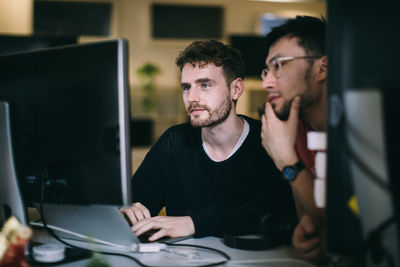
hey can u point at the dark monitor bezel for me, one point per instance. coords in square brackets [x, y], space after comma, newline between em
[123, 110]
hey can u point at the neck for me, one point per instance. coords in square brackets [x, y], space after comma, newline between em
[222, 138]
[315, 115]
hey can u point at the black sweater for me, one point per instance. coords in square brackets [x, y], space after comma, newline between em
[228, 197]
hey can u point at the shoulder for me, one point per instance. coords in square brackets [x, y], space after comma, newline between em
[253, 139]
[179, 129]
[180, 134]
[250, 120]
[255, 125]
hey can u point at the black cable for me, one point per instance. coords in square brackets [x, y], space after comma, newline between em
[373, 238]
[373, 242]
[378, 180]
[54, 235]
[227, 258]
[41, 211]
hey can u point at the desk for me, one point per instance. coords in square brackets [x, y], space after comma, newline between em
[282, 256]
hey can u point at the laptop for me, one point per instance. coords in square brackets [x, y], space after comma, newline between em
[94, 223]
[97, 224]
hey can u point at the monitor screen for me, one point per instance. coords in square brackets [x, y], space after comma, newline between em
[69, 120]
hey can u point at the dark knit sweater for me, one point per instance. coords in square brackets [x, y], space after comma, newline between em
[228, 197]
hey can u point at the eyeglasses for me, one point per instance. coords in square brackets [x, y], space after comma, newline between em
[275, 65]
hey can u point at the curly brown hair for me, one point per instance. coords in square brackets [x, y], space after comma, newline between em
[205, 52]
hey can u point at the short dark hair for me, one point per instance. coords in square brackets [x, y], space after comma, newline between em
[309, 30]
[212, 51]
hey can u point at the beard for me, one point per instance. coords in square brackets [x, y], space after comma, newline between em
[284, 113]
[215, 116]
[306, 100]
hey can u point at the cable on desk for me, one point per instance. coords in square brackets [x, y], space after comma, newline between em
[271, 261]
[54, 235]
[226, 256]
[99, 241]
[127, 249]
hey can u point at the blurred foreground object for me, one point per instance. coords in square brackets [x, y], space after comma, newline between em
[14, 237]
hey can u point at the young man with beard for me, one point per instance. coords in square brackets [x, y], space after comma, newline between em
[212, 174]
[296, 81]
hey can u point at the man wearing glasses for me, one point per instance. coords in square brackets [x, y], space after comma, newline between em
[295, 78]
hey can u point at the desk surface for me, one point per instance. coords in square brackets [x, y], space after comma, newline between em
[282, 256]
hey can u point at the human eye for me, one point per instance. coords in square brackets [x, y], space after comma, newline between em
[185, 87]
[276, 65]
[279, 62]
[205, 85]
[283, 61]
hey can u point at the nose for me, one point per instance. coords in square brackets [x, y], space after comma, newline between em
[193, 95]
[268, 81]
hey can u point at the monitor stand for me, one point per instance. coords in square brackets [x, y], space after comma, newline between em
[10, 194]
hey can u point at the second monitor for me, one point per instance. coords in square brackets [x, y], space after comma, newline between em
[68, 127]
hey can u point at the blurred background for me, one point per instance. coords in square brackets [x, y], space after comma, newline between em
[157, 30]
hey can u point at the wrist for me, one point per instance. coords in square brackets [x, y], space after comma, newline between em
[290, 172]
[190, 224]
[288, 161]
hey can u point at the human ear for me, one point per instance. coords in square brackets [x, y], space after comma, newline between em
[322, 68]
[237, 87]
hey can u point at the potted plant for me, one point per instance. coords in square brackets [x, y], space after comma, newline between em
[147, 73]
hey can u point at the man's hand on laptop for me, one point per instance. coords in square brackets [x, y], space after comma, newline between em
[135, 213]
[166, 226]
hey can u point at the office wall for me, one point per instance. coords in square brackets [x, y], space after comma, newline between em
[16, 16]
[133, 22]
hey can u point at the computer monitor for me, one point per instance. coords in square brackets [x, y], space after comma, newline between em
[65, 124]
[15, 43]
[362, 142]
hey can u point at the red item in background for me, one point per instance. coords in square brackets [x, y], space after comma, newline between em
[15, 255]
[14, 237]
